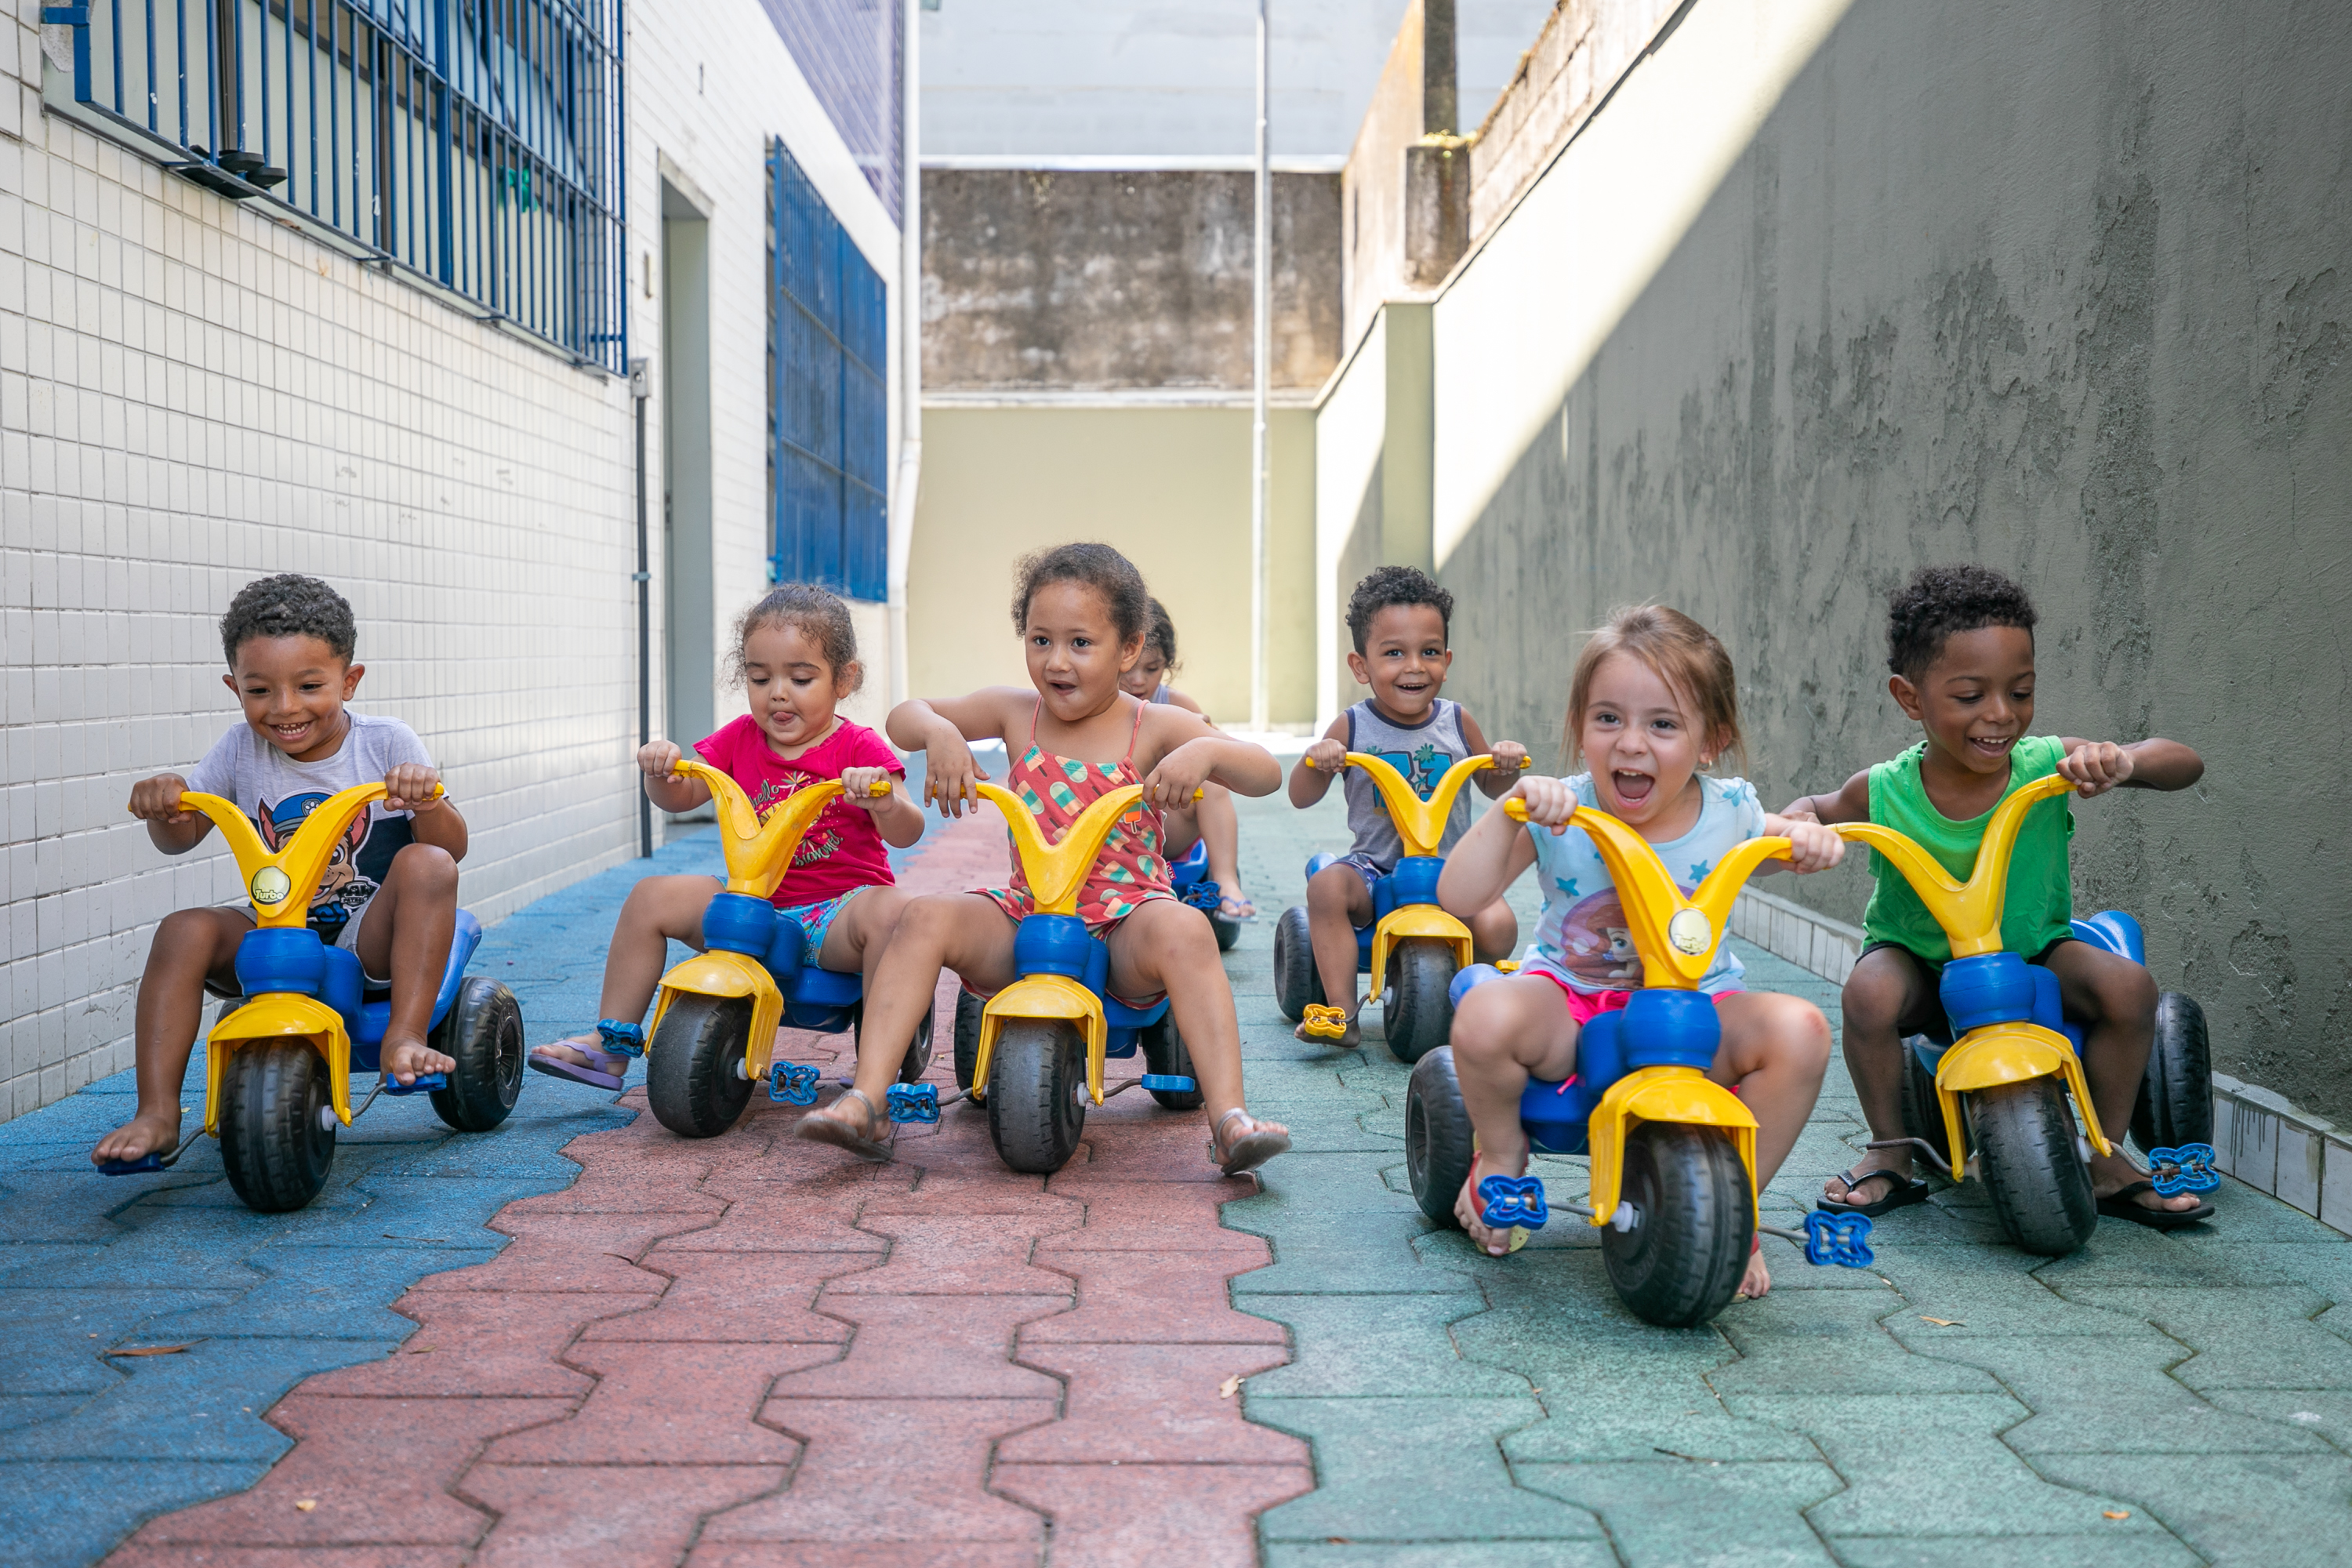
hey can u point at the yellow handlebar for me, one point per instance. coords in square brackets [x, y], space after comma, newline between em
[759, 854]
[1421, 824]
[1677, 936]
[1057, 872]
[1969, 912]
[280, 884]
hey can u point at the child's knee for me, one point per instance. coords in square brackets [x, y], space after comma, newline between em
[1872, 1000]
[424, 868]
[1334, 893]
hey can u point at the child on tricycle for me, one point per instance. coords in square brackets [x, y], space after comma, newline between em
[1081, 612]
[1960, 650]
[1652, 706]
[796, 654]
[389, 894]
[1399, 620]
[1212, 820]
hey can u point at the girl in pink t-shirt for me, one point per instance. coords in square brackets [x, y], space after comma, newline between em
[797, 654]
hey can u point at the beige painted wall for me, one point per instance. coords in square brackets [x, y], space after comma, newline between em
[1169, 486]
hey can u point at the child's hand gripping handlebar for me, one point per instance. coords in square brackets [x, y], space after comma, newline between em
[1057, 872]
[1421, 824]
[760, 853]
[1969, 912]
[1677, 936]
[280, 883]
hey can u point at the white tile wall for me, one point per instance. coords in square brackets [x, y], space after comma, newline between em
[192, 395]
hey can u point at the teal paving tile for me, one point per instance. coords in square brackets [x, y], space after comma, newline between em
[2277, 1510]
[68, 1513]
[328, 1294]
[203, 1404]
[2116, 1545]
[2117, 1395]
[1341, 1552]
[1830, 1342]
[1384, 1346]
[1981, 1292]
[1675, 1513]
[1323, 1185]
[1411, 1470]
[55, 1337]
[1362, 1253]
[2260, 1338]
[2324, 1413]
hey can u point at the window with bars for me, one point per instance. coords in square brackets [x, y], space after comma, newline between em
[828, 407]
[476, 146]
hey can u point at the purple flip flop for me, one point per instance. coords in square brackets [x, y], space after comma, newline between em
[555, 1066]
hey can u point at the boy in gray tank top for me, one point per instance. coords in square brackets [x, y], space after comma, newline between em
[1400, 619]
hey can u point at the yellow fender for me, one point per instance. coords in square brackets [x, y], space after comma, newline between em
[1044, 997]
[2000, 1054]
[1412, 922]
[280, 1016]
[1662, 1094]
[722, 974]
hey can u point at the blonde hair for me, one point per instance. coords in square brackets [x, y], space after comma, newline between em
[1680, 652]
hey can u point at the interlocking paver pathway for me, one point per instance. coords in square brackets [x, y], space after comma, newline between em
[582, 1340]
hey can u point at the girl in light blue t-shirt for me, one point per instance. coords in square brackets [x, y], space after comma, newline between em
[1652, 705]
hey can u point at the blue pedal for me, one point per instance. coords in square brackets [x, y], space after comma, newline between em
[426, 1083]
[2187, 1169]
[914, 1102]
[1507, 1201]
[1202, 895]
[1168, 1083]
[1839, 1238]
[793, 1083]
[144, 1164]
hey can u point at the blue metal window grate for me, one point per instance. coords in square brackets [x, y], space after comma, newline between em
[828, 404]
[476, 146]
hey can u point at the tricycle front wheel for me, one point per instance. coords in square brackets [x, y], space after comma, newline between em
[1036, 1094]
[276, 1124]
[1418, 1016]
[1694, 1224]
[1439, 1144]
[694, 1065]
[2035, 1177]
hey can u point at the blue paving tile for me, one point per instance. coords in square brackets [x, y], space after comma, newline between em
[62, 1514]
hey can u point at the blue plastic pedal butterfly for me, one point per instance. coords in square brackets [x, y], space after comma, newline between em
[793, 1083]
[1839, 1238]
[914, 1102]
[2187, 1169]
[1507, 1201]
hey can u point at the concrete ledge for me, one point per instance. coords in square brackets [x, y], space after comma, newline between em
[2259, 1137]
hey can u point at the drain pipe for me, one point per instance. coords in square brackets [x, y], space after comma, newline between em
[640, 387]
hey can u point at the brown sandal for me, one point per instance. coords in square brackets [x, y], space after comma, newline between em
[832, 1130]
[1252, 1147]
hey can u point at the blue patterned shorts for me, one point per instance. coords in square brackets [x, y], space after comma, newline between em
[816, 921]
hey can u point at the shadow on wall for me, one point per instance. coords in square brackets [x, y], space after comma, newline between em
[2067, 300]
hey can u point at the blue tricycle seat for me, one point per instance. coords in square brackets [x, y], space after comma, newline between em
[1414, 881]
[366, 1011]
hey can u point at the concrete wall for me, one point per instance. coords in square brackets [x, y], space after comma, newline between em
[192, 395]
[1828, 292]
[1168, 484]
[1038, 280]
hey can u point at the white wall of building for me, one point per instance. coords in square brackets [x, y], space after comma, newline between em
[192, 395]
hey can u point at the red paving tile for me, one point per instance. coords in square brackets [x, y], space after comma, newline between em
[754, 1350]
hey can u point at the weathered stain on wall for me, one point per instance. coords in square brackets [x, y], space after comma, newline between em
[2065, 298]
[1040, 280]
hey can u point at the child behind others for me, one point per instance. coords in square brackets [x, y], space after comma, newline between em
[1211, 818]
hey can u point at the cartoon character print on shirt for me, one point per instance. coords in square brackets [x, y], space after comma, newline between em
[822, 837]
[355, 870]
[1422, 769]
[1598, 940]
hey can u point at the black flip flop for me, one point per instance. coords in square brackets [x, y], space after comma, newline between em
[1908, 1190]
[2118, 1205]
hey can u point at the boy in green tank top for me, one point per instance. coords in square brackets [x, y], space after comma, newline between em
[1960, 644]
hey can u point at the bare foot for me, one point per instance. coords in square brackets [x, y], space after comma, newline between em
[403, 1059]
[1758, 1281]
[148, 1133]
[1466, 1209]
[2112, 1174]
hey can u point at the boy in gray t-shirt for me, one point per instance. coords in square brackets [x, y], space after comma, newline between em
[1399, 620]
[389, 893]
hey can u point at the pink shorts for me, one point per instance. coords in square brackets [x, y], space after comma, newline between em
[1586, 1006]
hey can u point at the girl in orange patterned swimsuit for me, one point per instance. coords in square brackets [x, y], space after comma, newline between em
[1082, 611]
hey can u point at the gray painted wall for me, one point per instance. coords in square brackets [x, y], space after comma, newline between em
[2064, 288]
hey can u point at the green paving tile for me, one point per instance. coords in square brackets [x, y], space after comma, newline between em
[2117, 1395]
[2277, 1510]
[1411, 1470]
[1982, 1291]
[1341, 1552]
[2118, 1545]
[2323, 1412]
[1675, 1512]
[1829, 1341]
[2260, 1338]
[1366, 1346]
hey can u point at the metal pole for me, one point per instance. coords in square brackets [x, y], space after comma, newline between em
[640, 387]
[1261, 282]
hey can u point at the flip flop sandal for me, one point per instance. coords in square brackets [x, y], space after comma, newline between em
[1250, 1148]
[2118, 1205]
[1517, 1233]
[1322, 1023]
[833, 1131]
[152, 1161]
[1236, 910]
[621, 1042]
[1908, 1190]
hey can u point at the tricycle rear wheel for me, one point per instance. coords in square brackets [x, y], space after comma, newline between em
[276, 1130]
[2176, 1094]
[2034, 1176]
[1923, 1114]
[1036, 1094]
[1164, 1052]
[694, 1076]
[967, 1036]
[1418, 1015]
[1296, 982]
[1439, 1144]
[1695, 1224]
[483, 1034]
[918, 1059]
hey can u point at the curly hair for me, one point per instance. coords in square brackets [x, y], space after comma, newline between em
[1940, 602]
[817, 615]
[1100, 567]
[288, 605]
[1684, 655]
[1386, 586]
[1162, 635]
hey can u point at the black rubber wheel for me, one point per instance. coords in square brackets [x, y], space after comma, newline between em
[1418, 1013]
[1695, 1224]
[1164, 1052]
[274, 1136]
[483, 1031]
[967, 1036]
[1438, 1142]
[2176, 1097]
[1295, 983]
[918, 1059]
[1228, 932]
[2038, 1185]
[1923, 1114]
[1037, 1094]
[694, 1076]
